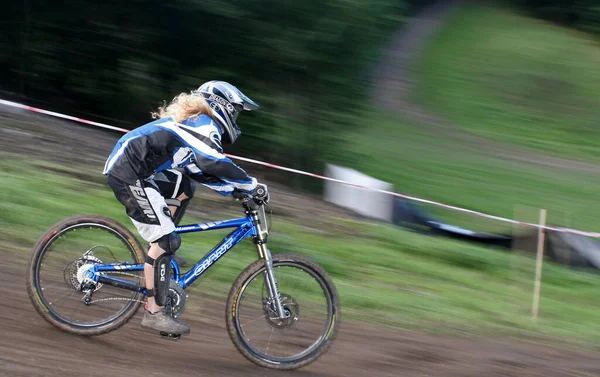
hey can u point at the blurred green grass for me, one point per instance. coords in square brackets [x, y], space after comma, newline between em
[384, 275]
[430, 166]
[515, 79]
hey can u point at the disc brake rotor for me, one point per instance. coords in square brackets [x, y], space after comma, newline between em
[76, 270]
[290, 308]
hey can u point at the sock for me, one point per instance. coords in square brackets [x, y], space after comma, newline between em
[147, 310]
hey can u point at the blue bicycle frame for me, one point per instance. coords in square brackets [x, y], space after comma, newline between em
[253, 225]
[245, 227]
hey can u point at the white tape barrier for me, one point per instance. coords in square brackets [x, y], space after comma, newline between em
[476, 213]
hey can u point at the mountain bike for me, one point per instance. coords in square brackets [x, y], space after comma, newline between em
[86, 277]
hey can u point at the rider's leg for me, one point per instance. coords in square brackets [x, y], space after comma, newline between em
[151, 216]
[157, 270]
[178, 190]
[177, 208]
[154, 252]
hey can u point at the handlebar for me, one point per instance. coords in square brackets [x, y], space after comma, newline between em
[256, 206]
[250, 202]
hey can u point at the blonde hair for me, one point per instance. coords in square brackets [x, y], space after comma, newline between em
[183, 106]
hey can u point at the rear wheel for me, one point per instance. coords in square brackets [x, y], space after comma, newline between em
[309, 299]
[56, 284]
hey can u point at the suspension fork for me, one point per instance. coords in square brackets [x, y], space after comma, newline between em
[265, 254]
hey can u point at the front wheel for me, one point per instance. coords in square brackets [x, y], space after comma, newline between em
[310, 301]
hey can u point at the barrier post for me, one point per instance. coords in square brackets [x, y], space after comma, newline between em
[538, 267]
[522, 263]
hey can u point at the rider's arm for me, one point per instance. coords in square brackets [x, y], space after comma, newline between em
[225, 171]
[211, 182]
[209, 160]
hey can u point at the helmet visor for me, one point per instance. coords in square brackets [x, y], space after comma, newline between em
[248, 104]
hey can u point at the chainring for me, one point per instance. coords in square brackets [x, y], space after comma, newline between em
[176, 299]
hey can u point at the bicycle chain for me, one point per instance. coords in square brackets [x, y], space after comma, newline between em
[119, 298]
[116, 299]
[127, 273]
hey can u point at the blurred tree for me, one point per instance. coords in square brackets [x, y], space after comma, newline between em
[581, 14]
[305, 62]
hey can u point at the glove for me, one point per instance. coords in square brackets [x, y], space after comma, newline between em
[239, 195]
[261, 194]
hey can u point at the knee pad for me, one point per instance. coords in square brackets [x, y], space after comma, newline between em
[169, 243]
[162, 278]
[162, 267]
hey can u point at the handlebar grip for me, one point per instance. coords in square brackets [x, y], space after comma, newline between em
[238, 195]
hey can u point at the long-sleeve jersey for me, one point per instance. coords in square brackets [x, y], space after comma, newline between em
[193, 145]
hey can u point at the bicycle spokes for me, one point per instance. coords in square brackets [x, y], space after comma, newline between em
[65, 275]
[272, 324]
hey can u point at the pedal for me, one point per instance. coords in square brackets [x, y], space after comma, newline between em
[170, 336]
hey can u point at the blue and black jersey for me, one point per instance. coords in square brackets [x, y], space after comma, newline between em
[193, 145]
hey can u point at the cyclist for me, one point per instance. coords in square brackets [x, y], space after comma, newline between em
[153, 170]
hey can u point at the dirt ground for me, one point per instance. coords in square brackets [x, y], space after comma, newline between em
[30, 347]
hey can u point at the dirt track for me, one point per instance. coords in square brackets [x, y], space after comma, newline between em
[29, 346]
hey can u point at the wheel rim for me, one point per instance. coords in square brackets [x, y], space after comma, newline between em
[57, 296]
[297, 305]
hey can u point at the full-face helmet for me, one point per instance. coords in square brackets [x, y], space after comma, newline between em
[226, 102]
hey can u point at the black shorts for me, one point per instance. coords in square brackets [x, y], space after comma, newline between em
[146, 201]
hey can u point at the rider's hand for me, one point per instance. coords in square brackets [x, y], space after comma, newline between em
[239, 195]
[261, 193]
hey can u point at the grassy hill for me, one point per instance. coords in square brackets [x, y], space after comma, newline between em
[515, 79]
[508, 78]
